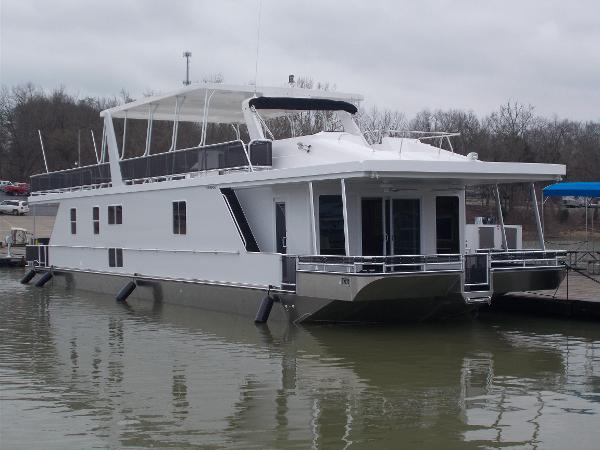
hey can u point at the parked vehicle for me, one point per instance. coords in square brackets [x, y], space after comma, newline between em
[17, 189]
[15, 207]
[4, 183]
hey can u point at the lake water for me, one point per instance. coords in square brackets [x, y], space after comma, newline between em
[78, 370]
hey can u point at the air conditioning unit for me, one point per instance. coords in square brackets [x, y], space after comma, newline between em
[479, 236]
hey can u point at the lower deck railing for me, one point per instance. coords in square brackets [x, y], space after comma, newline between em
[525, 258]
[430, 263]
[379, 264]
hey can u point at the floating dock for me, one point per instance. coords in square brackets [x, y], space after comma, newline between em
[578, 296]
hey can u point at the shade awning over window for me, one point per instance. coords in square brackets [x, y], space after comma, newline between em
[574, 189]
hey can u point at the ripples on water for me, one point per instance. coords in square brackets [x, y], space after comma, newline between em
[78, 370]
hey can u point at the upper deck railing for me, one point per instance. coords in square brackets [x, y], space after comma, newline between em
[234, 155]
[376, 136]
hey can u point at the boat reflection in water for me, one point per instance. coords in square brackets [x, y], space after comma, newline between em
[78, 372]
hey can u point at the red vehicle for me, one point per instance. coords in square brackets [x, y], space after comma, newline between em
[17, 189]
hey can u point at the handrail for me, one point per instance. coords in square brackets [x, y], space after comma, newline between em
[379, 264]
[412, 134]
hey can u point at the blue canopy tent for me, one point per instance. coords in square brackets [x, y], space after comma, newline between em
[588, 189]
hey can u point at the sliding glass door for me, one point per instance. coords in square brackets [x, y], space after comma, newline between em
[391, 226]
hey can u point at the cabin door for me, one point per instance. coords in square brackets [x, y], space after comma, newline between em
[447, 224]
[280, 228]
[391, 226]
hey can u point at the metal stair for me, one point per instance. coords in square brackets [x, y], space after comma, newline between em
[477, 297]
[477, 283]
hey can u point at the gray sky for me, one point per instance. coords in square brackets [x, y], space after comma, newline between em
[406, 55]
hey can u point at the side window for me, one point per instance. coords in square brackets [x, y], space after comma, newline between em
[115, 215]
[115, 257]
[96, 219]
[179, 218]
[73, 220]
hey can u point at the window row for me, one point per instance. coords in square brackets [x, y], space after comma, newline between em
[115, 217]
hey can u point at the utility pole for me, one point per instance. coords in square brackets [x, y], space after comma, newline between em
[187, 56]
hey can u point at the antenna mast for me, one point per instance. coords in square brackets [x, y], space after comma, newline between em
[187, 56]
[257, 45]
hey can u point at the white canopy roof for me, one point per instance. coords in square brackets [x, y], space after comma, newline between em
[225, 102]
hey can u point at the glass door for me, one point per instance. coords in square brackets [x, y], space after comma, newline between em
[391, 226]
[372, 227]
[280, 228]
[446, 224]
[406, 226]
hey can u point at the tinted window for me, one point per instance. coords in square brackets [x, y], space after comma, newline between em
[331, 225]
[179, 218]
[73, 221]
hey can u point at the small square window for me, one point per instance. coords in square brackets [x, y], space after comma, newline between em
[115, 215]
[73, 214]
[179, 218]
[96, 219]
[115, 257]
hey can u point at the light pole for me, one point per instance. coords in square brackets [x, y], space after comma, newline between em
[187, 56]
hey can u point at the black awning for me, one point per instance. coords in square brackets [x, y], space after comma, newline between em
[302, 104]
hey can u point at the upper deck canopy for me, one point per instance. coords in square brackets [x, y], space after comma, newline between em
[225, 102]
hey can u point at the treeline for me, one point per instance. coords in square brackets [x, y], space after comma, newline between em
[66, 122]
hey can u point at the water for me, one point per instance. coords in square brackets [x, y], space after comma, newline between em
[79, 371]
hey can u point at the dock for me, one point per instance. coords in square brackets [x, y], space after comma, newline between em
[17, 258]
[578, 297]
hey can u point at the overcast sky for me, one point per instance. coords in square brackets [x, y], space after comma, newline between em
[405, 55]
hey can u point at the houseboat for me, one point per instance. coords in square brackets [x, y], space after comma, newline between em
[335, 226]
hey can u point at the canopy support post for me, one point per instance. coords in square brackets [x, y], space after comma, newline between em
[345, 212]
[113, 151]
[95, 148]
[178, 103]
[149, 130]
[500, 218]
[311, 199]
[536, 213]
[124, 136]
[43, 151]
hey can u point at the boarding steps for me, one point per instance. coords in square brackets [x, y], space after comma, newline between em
[477, 282]
[477, 297]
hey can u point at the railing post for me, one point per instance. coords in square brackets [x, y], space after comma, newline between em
[313, 227]
[536, 213]
[500, 218]
[345, 212]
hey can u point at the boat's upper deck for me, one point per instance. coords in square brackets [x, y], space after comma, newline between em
[263, 159]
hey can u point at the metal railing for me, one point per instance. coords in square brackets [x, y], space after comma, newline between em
[524, 258]
[37, 255]
[428, 263]
[219, 158]
[371, 265]
[376, 136]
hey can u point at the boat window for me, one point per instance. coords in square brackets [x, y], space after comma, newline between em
[115, 215]
[446, 222]
[115, 257]
[179, 218]
[331, 225]
[96, 219]
[73, 220]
